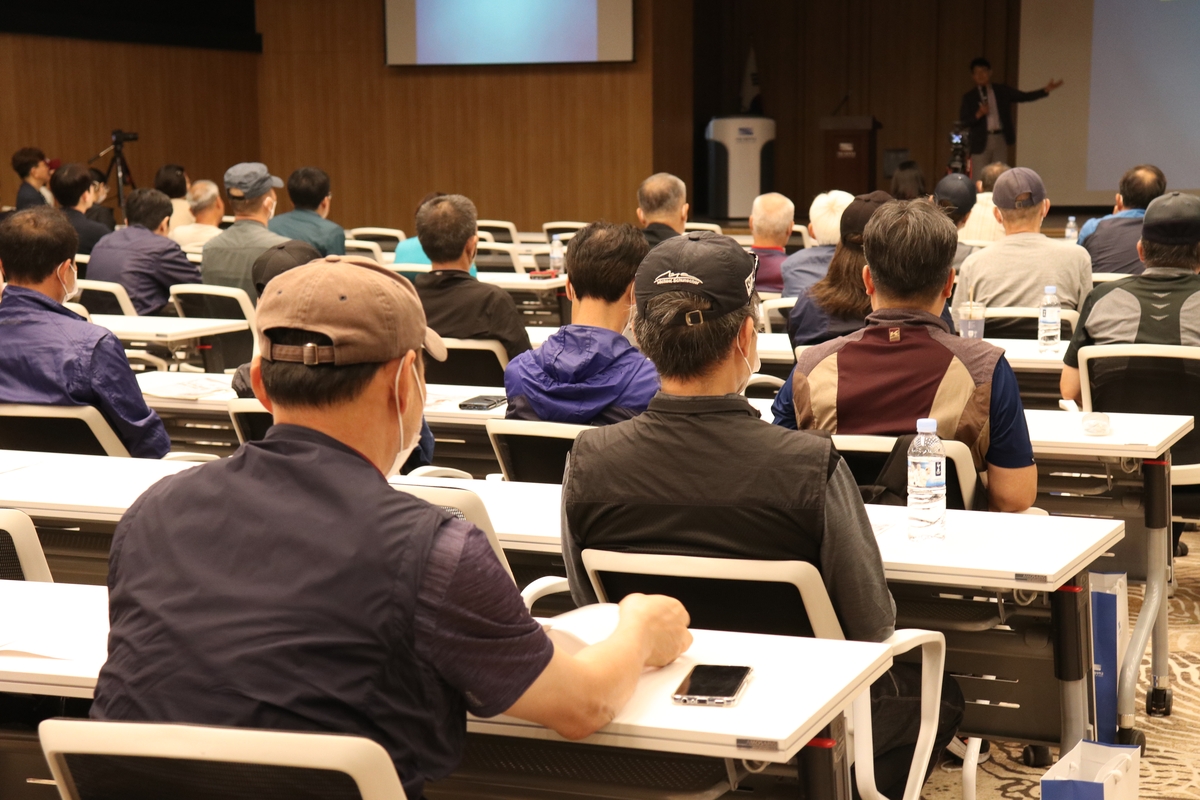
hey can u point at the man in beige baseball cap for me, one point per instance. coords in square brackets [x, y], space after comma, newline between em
[289, 586]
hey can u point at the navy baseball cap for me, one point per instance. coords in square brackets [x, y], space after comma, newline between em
[1016, 182]
[1172, 219]
[249, 180]
[703, 263]
[957, 191]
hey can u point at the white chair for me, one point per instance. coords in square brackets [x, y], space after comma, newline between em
[502, 231]
[1013, 325]
[470, 362]
[21, 555]
[386, 238]
[82, 258]
[80, 310]
[498, 257]
[226, 222]
[195, 247]
[538, 255]
[803, 231]
[1105, 277]
[770, 384]
[80, 430]
[784, 594]
[105, 297]
[250, 419]
[957, 452]
[227, 350]
[563, 228]
[462, 503]
[431, 471]
[370, 250]
[485, 236]
[775, 312]
[532, 451]
[703, 226]
[195, 258]
[128, 759]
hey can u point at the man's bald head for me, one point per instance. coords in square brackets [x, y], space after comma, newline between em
[771, 219]
[1141, 186]
[663, 198]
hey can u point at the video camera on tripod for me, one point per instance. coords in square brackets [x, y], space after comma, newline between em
[960, 150]
[118, 162]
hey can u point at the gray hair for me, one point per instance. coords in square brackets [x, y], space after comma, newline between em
[1171, 256]
[661, 194]
[687, 351]
[825, 215]
[909, 245]
[444, 226]
[772, 216]
[202, 196]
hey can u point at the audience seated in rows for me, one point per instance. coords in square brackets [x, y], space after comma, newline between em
[587, 373]
[101, 213]
[907, 364]
[699, 474]
[173, 181]
[1015, 271]
[207, 207]
[51, 355]
[771, 219]
[410, 250]
[34, 171]
[456, 304]
[983, 225]
[72, 188]
[805, 267]
[837, 304]
[229, 257]
[308, 188]
[908, 182]
[955, 194]
[662, 207]
[331, 601]
[1112, 240]
[141, 257]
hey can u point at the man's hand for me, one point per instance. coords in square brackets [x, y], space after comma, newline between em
[662, 622]
[1052, 85]
[982, 111]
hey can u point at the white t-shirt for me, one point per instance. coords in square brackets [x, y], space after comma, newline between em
[981, 226]
[181, 213]
[195, 233]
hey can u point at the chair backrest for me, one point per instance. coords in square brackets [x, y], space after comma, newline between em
[21, 555]
[772, 308]
[80, 430]
[464, 504]
[80, 310]
[105, 297]
[784, 598]
[496, 257]
[225, 350]
[94, 760]
[195, 258]
[703, 226]
[565, 229]
[532, 451]
[540, 253]
[763, 385]
[1145, 379]
[386, 238]
[470, 362]
[194, 247]
[502, 230]
[371, 250]
[226, 221]
[866, 455]
[1105, 277]
[1022, 323]
[250, 418]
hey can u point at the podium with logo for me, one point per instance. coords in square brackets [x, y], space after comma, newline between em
[741, 163]
[848, 151]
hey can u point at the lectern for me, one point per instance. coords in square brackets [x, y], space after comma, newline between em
[848, 145]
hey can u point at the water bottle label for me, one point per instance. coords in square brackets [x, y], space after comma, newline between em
[926, 473]
[1049, 315]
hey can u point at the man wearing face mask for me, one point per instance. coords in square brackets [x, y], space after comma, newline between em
[587, 373]
[229, 257]
[49, 355]
[290, 587]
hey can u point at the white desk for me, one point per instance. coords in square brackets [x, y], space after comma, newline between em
[187, 392]
[166, 330]
[1060, 433]
[522, 282]
[798, 686]
[1023, 355]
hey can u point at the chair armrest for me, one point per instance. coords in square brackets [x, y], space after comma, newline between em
[440, 472]
[1185, 474]
[551, 584]
[1068, 405]
[181, 456]
[933, 662]
[494, 476]
[1034, 511]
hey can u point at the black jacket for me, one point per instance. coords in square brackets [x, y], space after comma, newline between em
[1005, 97]
[656, 233]
[89, 232]
[460, 307]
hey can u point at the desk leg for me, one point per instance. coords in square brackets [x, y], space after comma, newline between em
[1153, 615]
[1071, 620]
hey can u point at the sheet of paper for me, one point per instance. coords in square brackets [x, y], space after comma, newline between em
[197, 388]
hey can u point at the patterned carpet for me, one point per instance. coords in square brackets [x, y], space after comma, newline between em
[1170, 766]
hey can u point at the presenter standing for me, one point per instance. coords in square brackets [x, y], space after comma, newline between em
[987, 112]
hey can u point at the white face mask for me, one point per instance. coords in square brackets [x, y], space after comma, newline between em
[271, 210]
[74, 291]
[753, 369]
[405, 452]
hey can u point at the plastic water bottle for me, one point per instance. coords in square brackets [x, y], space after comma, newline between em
[1071, 234]
[556, 254]
[1048, 322]
[926, 484]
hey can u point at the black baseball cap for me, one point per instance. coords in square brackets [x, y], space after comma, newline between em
[1014, 183]
[956, 190]
[1172, 219]
[858, 213]
[279, 258]
[703, 263]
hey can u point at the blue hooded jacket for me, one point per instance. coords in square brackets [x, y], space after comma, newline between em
[582, 375]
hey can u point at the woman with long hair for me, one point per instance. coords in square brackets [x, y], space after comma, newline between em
[838, 303]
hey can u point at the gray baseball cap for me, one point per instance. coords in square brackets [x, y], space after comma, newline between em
[249, 180]
[1016, 182]
[1173, 219]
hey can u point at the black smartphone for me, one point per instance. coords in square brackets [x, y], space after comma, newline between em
[483, 402]
[712, 685]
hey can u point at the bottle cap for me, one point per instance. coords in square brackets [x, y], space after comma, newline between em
[1070, 219]
[927, 425]
[1051, 290]
[556, 238]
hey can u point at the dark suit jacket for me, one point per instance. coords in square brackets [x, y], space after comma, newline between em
[656, 233]
[1005, 97]
[89, 232]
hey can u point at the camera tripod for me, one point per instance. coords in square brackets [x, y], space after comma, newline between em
[118, 162]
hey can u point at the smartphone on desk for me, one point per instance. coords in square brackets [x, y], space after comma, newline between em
[712, 685]
[483, 402]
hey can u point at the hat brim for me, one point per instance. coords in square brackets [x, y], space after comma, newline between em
[434, 345]
[276, 183]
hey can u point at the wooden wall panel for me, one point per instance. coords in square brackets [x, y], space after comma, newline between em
[195, 107]
[526, 143]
